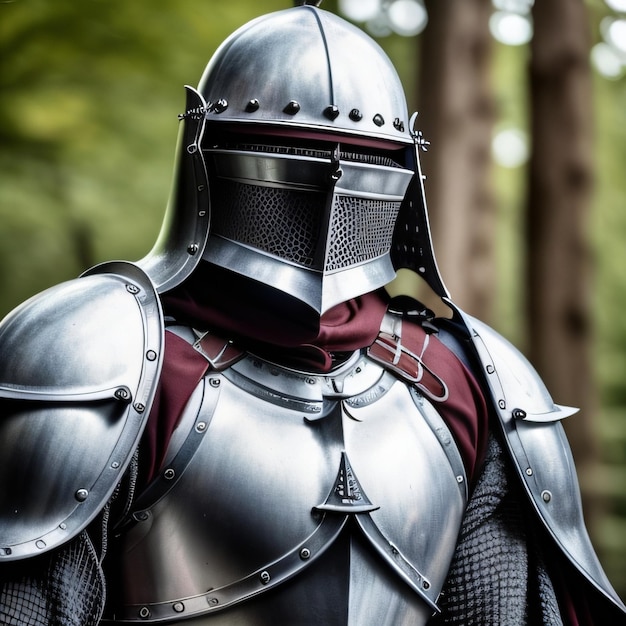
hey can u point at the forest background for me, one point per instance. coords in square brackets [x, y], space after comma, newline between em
[90, 91]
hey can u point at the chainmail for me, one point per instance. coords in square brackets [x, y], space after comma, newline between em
[64, 588]
[498, 575]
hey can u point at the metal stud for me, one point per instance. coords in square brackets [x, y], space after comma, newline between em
[220, 106]
[332, 112]
[252, 106]
[81, 495]
[378, 119]
[292, 107]
[355, 115]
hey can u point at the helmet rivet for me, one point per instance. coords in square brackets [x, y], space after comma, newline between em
[398, 124]
[252, 106]
[332, 112]
[356, 115]
[220, 106]
[379, 120]
[292, 108]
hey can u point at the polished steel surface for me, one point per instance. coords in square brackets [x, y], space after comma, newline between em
[249, 518]
[79, 367]
[324, 248]
[339, 78]
[536, 440]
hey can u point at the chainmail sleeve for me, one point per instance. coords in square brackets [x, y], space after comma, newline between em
[498, 574]
[66, 587]
[63, 588]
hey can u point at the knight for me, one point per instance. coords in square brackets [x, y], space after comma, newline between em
[244, 427]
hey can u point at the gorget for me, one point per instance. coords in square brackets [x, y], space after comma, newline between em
[296, 498]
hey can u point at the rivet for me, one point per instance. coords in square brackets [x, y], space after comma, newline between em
[132, 289]
[212, 600]
[426, 584]
[378, 119]
[459, 479]
[115, 464]
[179, 607]
[519, 414]
[144, 612]
[311, 381]
[41, 544]
[169, 473]
[81, 495]
[355, 115]
[201, 426]
[305, 554]
[192, 148]
[192, 248]
[292, 107]
[201, 187]
[151, 355]
[122, 393]
[63, 526]
[220, 106]
[265, 577]
[214, 382]
[398, 124]
[140, 408]
[252, 106]
[546, 496]
[529, 471]
[141, 516]
[502, 404]
[6, 551]
[490, 369]
[332, 112]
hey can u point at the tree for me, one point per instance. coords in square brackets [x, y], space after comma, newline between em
[456, 115]
[557, 233]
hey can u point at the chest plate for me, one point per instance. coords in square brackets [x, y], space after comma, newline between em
[293, 498]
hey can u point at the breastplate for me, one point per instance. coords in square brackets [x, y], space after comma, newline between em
[292, 498]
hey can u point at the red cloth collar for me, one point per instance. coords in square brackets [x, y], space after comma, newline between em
[276, 326]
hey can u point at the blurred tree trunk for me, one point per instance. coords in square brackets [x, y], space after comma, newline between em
[560, 185]
[456, 115]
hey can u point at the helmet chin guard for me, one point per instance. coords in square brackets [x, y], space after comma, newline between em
[297, 166]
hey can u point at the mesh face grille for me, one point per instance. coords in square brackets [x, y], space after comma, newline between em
[290, 224]
[283, 222]
[362, 230]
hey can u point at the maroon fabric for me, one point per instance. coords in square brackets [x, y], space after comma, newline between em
[465, 410]
[271, 324]
[183, 368]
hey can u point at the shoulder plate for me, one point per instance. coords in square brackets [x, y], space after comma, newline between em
[537, 444]
[79, 367]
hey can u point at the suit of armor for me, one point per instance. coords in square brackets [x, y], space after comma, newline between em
[243, 428]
